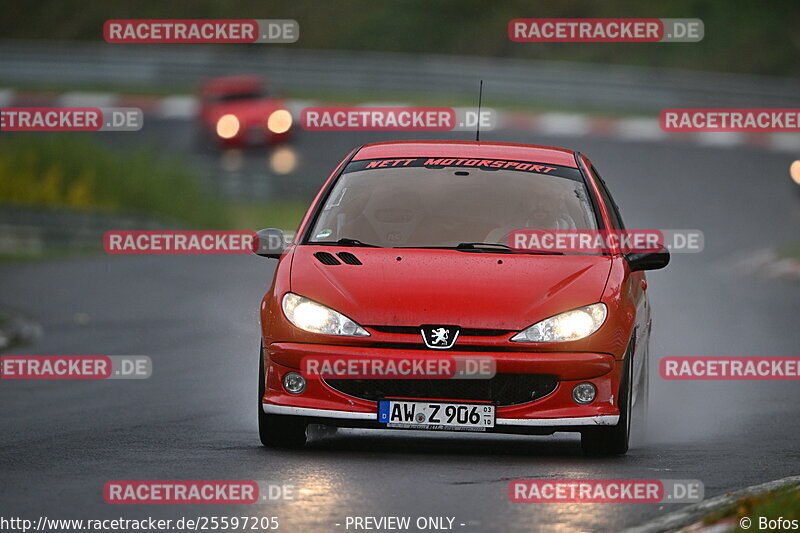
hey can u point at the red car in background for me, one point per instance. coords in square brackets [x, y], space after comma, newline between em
[240, 110]
[401, 255]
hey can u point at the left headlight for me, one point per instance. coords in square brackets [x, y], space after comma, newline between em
[568, 326]
[279, 121]
[310, 316]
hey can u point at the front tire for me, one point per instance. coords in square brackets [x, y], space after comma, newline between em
[613, 440]
[277, 431]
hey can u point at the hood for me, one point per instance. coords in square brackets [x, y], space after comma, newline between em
[407, 287]
[248, 111]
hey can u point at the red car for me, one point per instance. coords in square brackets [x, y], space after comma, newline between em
[401, 256]
[239, 110]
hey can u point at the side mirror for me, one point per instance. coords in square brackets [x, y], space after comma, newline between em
[271, 243]
[648, 260]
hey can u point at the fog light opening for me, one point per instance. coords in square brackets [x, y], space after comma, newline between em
[584, 393]
[294, 383]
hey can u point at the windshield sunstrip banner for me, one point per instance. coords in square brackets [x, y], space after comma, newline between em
[478, 163]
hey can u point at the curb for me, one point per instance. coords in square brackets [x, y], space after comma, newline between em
[767, 264]
[630, 129]
[690, 514]
[641, 129]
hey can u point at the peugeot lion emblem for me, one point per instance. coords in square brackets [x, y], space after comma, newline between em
[439, 337]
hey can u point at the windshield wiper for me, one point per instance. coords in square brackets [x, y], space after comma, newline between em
[346, 242]
[480, 245]
[502, 248]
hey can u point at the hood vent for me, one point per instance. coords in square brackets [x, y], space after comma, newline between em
[326, 258]
[349, 258]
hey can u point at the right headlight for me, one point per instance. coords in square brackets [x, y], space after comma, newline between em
[227, 126]
[568, 326]
[310, 316]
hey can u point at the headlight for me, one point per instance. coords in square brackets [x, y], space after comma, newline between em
[227, 126]
[568, 326]
[316, 318]
[279, 121]
[794, 171]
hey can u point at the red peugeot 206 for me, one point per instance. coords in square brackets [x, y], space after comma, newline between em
[241, 110]
[403, 257]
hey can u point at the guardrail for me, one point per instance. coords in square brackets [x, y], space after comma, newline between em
[33, 229]
[511, 80]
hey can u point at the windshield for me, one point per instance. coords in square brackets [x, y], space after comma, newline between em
[254, 94]
[435, 202]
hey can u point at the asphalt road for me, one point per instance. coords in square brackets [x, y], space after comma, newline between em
[60, 441]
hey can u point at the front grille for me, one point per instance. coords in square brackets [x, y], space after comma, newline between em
[464, 332]
[503, 389]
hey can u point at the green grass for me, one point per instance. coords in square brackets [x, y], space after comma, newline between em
[790, 252]
[783, 502]
[75, 172]
[281, 215]
[460, 100]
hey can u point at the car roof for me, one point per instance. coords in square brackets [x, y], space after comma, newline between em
[233, 83]
[468, 149]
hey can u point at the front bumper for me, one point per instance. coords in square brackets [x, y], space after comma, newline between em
[256, 135]
[556, 411]
[601, 420]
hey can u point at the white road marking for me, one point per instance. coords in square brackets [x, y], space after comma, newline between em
[6, 97]
[178, 106]
[720, 138]
[639, 129]
[785, 142]
[82, 99]
[564, 124]
[296, 106]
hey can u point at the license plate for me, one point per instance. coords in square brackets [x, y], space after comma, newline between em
[414, 414]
